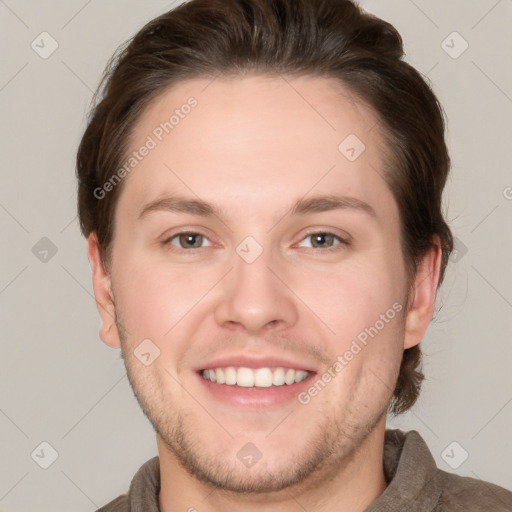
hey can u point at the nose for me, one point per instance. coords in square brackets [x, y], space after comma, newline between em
[255, 297]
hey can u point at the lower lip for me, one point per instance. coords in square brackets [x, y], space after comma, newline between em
[272, 396]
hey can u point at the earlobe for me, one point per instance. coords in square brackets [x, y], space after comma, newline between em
[101, 283]
[423, 295]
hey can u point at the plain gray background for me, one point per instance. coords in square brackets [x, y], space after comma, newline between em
[59, 384]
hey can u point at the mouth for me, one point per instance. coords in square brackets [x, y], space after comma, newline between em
[264, 377]
[263, 383]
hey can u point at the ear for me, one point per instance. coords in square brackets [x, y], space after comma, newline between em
[102, 293]
[423, 295]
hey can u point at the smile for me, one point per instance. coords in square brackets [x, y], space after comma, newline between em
[254, 377]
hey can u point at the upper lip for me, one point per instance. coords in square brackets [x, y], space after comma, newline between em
[255, 362]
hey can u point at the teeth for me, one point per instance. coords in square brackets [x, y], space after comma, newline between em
[290, 377]
[300, 375]
[219, 376]
[245, 377]
[278, 377]
[263, 378]
[229, 376]
[259, 378]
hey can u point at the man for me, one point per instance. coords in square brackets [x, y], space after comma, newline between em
[260, 187]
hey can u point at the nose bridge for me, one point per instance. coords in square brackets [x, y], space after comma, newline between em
[253, 297]
[252, 268]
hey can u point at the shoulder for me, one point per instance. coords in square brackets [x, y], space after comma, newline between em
[120, 504]
[471, 495]
[143, 490]
[416, 483]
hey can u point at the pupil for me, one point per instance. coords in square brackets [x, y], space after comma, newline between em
[321, 238]
[190, 239]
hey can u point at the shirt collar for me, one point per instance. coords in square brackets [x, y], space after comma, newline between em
[411, 472]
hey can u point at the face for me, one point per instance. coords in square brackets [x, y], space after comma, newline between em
[251, 248]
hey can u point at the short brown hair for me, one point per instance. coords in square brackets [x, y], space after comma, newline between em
[323, 38]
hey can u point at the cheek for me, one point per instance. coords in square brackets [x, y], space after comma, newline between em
[155, 300]
[352, 297]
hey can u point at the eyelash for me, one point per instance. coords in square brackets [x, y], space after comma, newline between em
[334, 248]
[342, 242]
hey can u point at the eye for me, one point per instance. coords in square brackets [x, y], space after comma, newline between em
[192, 240]
[323, 240]
[187, 240]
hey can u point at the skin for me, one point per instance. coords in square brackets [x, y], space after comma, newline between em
[253, 146]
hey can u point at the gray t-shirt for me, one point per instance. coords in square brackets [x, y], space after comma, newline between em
[415, 484]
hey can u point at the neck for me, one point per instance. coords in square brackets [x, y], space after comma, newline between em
[350, 486]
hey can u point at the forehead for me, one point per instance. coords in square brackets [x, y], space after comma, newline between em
[257, 139]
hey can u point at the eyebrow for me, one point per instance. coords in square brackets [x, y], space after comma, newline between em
[315, 204]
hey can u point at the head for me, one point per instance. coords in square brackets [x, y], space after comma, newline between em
[259, 115]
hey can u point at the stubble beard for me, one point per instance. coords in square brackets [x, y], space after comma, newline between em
[331, 448]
